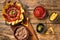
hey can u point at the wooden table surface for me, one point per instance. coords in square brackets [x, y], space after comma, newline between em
[6, 32]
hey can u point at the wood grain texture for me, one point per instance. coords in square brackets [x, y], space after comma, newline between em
[49, 5]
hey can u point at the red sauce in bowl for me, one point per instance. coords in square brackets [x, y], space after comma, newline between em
[39, 12]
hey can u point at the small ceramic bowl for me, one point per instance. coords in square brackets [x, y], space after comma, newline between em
[39, 12]
[40, 28]
[21, 33]
[53, 17]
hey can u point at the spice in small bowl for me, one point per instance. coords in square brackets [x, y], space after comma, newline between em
[53, 16]
[40, 28]
[21, 33]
